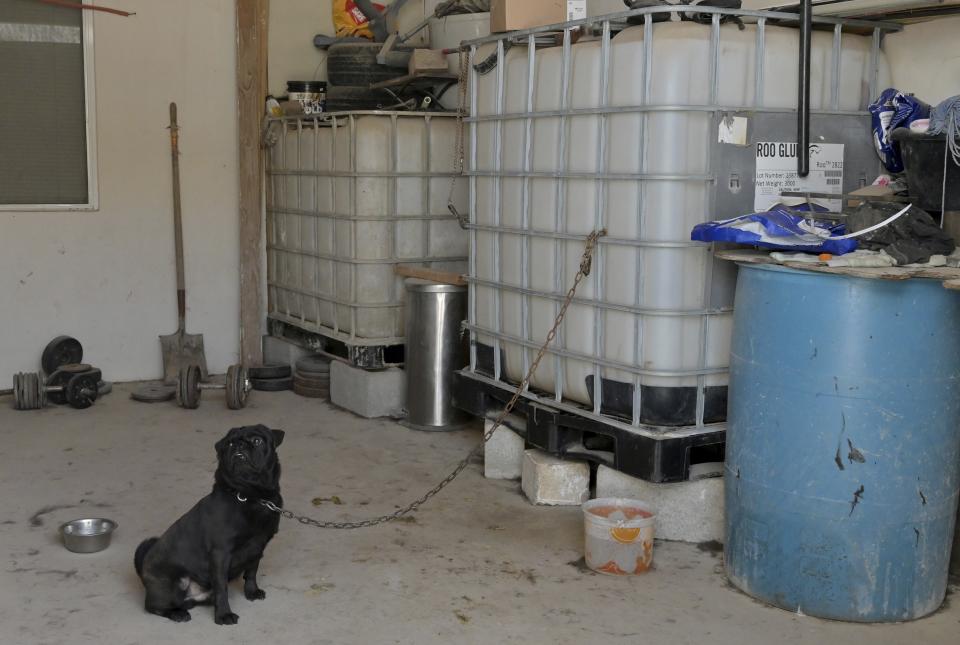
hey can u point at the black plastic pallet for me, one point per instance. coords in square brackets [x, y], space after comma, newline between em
[364, 356]
[656, 454]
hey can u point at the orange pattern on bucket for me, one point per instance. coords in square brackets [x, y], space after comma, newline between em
[646, 558]
[611, 567]
[625, 535]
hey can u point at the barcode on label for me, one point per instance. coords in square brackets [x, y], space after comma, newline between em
[833, 182]
[833, 173]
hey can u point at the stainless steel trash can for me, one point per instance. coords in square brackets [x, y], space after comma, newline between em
[435, 349]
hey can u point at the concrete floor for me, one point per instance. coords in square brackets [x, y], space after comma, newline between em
[478, 564]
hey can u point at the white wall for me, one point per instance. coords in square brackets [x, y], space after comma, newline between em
[291, 55]
[107, 277]
[925, 59]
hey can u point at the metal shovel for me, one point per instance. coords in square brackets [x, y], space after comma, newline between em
[180, 349]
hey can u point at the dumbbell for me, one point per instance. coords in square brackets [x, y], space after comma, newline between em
[236, 384]
[31, 389]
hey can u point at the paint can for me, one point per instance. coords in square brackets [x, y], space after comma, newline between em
[311, 95]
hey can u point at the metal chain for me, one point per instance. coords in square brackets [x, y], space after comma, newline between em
[586, 262]
[459, 159]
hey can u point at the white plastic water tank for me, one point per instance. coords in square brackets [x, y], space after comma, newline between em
[653, 322]
[351, 196]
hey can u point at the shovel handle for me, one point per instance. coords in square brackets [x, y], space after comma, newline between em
[177, 216]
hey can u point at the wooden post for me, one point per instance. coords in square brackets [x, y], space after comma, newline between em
[251, 91]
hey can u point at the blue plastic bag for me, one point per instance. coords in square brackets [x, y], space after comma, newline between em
[778, 229]
[894, 110]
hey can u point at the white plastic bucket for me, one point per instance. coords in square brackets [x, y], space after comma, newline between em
[618, 535]
[448, 33]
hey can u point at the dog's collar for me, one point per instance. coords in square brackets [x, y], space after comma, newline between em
[240, 497]
[235, 493]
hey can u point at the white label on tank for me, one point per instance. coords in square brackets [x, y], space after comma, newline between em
[576, 9]
[733, 129]
[777, 172]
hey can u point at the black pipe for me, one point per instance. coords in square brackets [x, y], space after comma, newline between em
[803, 94]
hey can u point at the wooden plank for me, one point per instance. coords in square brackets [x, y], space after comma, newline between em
[874, 273]
[251, 88]
[443, 277]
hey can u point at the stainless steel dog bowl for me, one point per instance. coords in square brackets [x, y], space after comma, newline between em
[87, 535]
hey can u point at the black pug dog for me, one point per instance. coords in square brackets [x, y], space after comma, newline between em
[221, 537]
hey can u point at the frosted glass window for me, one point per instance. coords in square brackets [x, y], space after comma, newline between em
[44, 129]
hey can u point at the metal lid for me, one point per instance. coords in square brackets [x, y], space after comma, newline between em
[426, 286]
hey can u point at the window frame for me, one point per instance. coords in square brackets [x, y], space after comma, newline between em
[90, 118]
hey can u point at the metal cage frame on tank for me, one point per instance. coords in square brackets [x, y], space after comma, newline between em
[639, 443]
[341, 218]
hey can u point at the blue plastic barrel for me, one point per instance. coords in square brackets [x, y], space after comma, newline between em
[843, 443]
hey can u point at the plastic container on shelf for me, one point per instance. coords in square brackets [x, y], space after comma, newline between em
[448, 33]
[925, 158]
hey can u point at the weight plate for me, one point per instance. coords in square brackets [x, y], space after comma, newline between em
[268, 372]
[237, 387]
[181, 380]
[272, 384]
[104, 388]
[81, 391]
[194, 376]
[39, 384]
[60, 351]
[21, 395]
[311, 382]
[245, 387]
[311, 392]
[313, 365]
[188, 387]
[16, 391]
[74, 368]
[233, 398]
[19, 391]
[154, 393]
[28, 391]
[311, 375]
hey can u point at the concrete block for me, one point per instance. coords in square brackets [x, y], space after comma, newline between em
[545, 479]
[690, 511]
[503, 453]
[369, 393]
[282, 352]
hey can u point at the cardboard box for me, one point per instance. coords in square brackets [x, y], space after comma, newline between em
[510, 15]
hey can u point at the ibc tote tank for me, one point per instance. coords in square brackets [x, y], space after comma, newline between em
[655, 317]
[352, 195]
